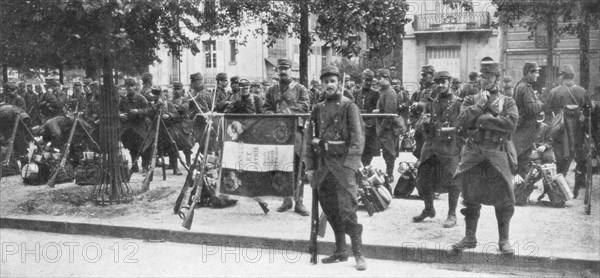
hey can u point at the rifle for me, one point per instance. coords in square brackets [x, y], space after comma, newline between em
[199, 181]
[314, 218]
[589, 177]
[11, 142]
[150, 172]
[186, 185]
[65, 155]
[365, 196]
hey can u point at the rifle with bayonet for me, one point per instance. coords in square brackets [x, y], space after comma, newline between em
[589, 145]
[66, 152]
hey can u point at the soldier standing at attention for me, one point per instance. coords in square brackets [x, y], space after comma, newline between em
[440, 154]
[386, 128]
[333, 170]
[288, 97]
[485, 170]
[366, 100]
[529, 107]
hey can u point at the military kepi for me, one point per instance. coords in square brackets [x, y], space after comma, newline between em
[330, 70]
[284, 63]
[490, 67]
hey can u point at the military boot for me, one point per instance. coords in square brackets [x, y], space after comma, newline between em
[579, 183]
[452, 203]
[503, 216]
[341, 250]
[390, 172]
[286, 205]
[356, 239]
[174, 163]
[429, 210]
[300, 209]
[470, 239]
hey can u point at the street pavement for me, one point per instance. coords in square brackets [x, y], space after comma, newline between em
[36, 254]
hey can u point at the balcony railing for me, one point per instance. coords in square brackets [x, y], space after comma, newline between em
[452, 22]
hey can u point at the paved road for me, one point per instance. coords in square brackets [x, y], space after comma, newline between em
[26, 253]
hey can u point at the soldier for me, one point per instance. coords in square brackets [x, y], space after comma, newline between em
[30, 98]
[7, 120]
[388, 129]
[472, 87]
[183, 128]
[50, 105]
[427, 84]
[287, 97]
[366, 100]
[222, 94]
[39, 90]
[507, 88]
[146, 90]
[133, 110]
[485, 170]
[570, 143]
[529, 106]
[333, 171]
[456, 86]
[11, 97]
[440, 154]
[257, 90]
[78, 100]
[86, 85]
[315, 92]
[246, 103]
[202, 103]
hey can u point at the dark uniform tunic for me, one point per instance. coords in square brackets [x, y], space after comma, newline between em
[440, 153]
[366, 100]
[529, 107]
[470, 89]
[336, 119]
[420, 98]
[134, 128]
[250, 104]
[7, 120]
[388, 104]
[14, 100]
[50, 105]
[182, 124]
[203, 104]
[484, 168]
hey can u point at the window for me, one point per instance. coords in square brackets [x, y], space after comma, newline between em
[233, 51]
[324, 60]
[174, 68]
[210, 48]
[296, 49]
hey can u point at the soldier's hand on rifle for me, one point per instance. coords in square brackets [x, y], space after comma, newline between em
[310, 175]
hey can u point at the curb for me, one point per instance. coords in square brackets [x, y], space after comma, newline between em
[408, 252]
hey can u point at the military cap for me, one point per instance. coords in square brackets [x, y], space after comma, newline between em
[456, 80]
[77, 83]
[244, 83]
[130, 82]
[177, 85]
[255, 85]
[441, 75]
[530, 66]
[368, 74]
[234, 79]
[221, 76]
[156, 90]
[330, 70]
[9, 86]
[87, 81]
[567, 71]
[427, 69]
[196, 76]
[395, 82]
[314, 83]
[146, 76]
[490, 67]
[383, 73]
[284, 63]
[507, 79]
[487, 59]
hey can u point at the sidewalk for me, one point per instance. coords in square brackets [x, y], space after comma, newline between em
[543, 237]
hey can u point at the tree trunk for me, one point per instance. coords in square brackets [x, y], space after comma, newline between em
[304, 43]
[61, 75]
[4, 73]
[584, 61]
[550, 54]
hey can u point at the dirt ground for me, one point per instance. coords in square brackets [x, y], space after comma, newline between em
[536, 230]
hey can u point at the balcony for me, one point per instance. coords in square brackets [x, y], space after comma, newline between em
[452, 22]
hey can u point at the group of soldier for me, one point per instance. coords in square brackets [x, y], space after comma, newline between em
[471, 139]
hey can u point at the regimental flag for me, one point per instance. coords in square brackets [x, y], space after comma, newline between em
[258, 156]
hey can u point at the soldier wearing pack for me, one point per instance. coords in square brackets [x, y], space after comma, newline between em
[488, 159]
[440, 154]
[133, 109]
[529, 106]
[366, 99]
[337, 123]
[570, 99]
[288, 97]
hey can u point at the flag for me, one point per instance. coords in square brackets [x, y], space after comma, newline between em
[258, 156]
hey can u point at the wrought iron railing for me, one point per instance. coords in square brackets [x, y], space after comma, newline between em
[448, 22]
